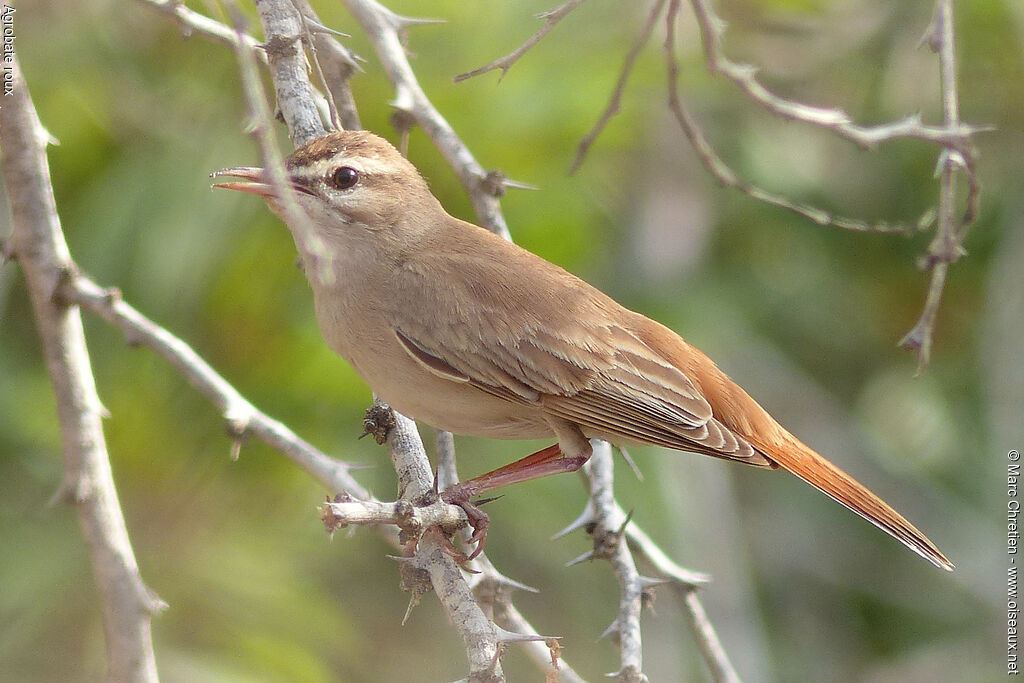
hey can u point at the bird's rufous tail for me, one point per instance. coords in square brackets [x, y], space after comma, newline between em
[796, 457]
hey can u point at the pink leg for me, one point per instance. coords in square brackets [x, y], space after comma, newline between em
[534, 466]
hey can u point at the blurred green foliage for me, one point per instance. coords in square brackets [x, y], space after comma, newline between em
[805, 317]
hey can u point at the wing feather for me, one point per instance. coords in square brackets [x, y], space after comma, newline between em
[559, 344]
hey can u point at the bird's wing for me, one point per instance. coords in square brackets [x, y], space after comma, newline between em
[518, 327]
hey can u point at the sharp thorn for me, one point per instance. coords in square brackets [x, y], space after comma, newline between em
[518, 185]
[401, 22]
[584, 519]
[650, 581]
[504, 636]
[505, 581]
[317, 27]
[612, 629]
[589, 555]
[632, 463]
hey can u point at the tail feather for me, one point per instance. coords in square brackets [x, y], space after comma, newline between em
[801, 460]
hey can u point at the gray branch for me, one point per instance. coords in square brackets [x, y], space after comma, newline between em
[283, 30]
[609, 544]
[241, 418]
[38, 243]
[425, 552]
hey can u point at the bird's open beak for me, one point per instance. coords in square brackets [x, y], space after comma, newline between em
[254, 181]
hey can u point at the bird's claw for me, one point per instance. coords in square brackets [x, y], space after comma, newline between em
[478, 520]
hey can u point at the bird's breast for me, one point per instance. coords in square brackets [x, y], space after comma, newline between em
[364, 338]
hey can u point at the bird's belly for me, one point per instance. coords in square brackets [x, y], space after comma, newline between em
[416, 392]
[469, 411]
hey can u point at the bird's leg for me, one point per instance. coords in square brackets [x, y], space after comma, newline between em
[540, 464]
[544, 462]
[534, 466]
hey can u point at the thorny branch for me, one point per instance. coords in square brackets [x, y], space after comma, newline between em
[608, 530]
[241, 419]
[192, 22]
[947, 245]
[609, 524]
[37, 241]
[712, 29]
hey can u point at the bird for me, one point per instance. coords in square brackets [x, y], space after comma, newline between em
[459, 328]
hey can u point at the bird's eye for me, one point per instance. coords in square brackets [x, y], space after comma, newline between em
[345, 177]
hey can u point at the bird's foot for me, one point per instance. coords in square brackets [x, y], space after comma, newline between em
[544, 462]
[478, 519]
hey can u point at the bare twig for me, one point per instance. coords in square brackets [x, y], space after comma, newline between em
[728, 178]
[193, 22]
[953, 135]
[711, 649]
[398, 513]
[493, 591]
[38, 243]
[946, 246]
[447, 475]
[684, 581]
[382, 27]
[551, 17]
[613, 104]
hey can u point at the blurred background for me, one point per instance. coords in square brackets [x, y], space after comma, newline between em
[805, 318]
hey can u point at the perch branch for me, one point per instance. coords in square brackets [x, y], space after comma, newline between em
[424, 553]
